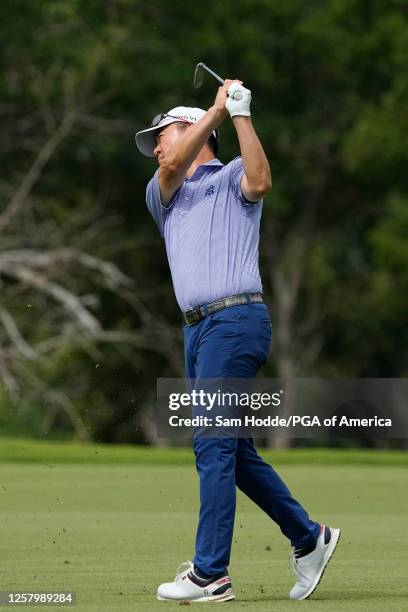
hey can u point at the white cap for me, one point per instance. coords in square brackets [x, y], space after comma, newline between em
[145, 139]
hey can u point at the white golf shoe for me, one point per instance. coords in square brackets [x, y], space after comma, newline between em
[188, 587]
[309, 568]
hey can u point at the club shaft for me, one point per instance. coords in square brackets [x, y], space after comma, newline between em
[214, 74]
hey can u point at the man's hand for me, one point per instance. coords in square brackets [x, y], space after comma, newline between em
[219, 105]
[239, 100]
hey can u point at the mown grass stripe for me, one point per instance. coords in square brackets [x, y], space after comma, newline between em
[22, 450]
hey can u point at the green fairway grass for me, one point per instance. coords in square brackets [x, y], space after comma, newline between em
[41, 451]
[113, 530]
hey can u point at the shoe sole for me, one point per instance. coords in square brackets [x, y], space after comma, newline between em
[327, 556]
[227, 596]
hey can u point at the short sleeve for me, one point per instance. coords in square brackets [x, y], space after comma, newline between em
[237, 171]
[154, 204]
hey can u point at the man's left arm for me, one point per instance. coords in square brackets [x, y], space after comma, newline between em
[257, 180]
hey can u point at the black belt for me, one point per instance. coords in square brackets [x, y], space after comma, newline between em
[197, 314]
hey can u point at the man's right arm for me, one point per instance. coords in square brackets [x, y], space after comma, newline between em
[173, 167]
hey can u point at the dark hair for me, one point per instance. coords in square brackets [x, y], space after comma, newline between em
[213, 143]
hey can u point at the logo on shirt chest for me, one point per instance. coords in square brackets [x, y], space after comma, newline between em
[210, 191]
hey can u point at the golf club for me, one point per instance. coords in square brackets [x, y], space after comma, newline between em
[199, 78]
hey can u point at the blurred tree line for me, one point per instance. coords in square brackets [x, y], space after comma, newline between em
[88, 318]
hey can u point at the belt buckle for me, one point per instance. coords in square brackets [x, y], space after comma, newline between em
[193, 316]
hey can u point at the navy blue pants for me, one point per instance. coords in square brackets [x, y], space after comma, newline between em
[234, 343]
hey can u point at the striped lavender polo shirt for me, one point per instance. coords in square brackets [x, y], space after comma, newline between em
[211, 234]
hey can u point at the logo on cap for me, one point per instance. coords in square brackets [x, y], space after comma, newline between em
[189, 118]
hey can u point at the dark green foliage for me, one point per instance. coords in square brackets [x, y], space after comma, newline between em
[329, 85]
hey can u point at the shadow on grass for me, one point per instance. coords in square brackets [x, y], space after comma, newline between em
[349, 596]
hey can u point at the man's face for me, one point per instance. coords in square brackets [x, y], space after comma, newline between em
[167, 137]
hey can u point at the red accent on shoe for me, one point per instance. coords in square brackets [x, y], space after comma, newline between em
[223, 580]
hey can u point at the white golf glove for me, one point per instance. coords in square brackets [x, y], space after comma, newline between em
[238, 101]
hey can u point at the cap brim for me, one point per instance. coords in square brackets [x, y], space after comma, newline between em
[145, 139]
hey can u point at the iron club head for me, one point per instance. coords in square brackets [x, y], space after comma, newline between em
[198, 75]
[199, 78]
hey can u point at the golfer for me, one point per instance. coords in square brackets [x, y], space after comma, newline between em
[209, 215]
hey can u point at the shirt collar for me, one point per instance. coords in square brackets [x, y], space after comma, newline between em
[212, 162]
[200, 168]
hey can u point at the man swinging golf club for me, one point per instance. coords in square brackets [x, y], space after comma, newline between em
[209, 215]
